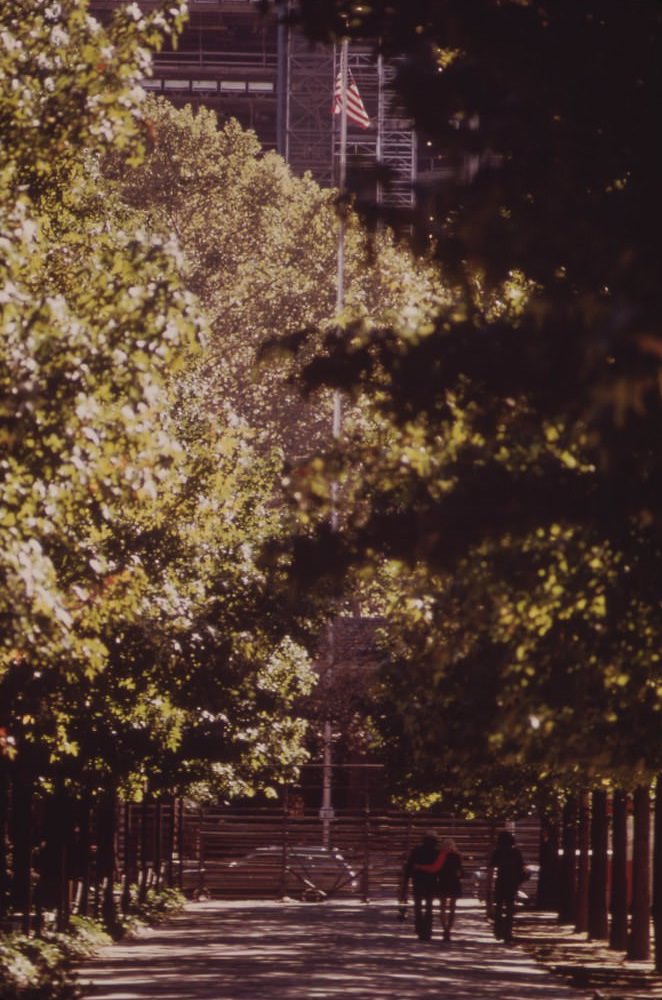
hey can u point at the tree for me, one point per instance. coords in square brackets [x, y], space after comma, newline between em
[535, 429]
[140, 638]
[539, 418]
[259, 250]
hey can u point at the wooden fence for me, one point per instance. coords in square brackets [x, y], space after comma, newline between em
[263, 853]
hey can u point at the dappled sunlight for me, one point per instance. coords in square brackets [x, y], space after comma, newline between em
[300, 951]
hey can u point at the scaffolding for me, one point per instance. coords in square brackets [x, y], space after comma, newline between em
[311, 140]
[262, 71]
[308, 141]
[396, 144]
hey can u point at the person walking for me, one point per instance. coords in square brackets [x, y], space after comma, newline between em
[424, 883]
[508, 863]
[449, 885]
[447, 866]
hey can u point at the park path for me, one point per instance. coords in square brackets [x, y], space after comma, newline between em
[310, 951]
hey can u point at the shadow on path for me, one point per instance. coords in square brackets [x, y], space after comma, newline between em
[308, 951]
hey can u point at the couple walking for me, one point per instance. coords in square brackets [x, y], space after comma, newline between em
[434, 869]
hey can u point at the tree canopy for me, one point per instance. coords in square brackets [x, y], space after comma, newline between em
[142, 644]
[519, 478]
[259, 250]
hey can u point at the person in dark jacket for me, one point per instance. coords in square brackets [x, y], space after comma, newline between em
[424, 884]
[508, 863]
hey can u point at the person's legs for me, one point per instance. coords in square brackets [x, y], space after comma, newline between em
[450, 917]
[447, 911]
[443, 913]
[509, 916]
[427, 917]
[419, 922]
[499, 913]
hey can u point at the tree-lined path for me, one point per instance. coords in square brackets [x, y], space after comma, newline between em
[302, 951]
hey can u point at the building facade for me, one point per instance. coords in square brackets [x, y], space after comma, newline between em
[243, 64]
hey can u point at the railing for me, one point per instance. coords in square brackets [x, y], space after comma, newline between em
[256, 60]
[243, 854]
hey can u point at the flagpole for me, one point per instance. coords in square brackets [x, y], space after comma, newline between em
[380, 124]
[342, 184]
[327, 811]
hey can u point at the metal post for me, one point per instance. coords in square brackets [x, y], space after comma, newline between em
[365, 880]
[380, 124]
[201, 855]
[284, 852]
[340, 274]
[327, 811]
[180, 844]
[281, 80]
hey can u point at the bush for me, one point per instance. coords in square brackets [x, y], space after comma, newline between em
[84, 938]
[17, 972]
[34, 969]
[40, 968]
[157, 906]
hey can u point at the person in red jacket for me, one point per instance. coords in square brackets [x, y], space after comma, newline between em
[448, 868]
[424, 883]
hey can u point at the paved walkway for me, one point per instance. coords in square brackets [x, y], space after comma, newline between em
[310, 951]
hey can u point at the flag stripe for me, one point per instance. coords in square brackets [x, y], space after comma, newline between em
[356, 111]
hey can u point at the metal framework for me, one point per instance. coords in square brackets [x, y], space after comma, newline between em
[308, 123]
[243, 65]
[311, 139]
[226, 59]
[396, 143]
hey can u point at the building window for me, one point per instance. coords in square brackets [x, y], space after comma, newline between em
[233, 86]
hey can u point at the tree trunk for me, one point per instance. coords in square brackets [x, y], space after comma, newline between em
[106, 852]
[618, 935]
[4, 838]
[51, 890]
[180, 844]
[639, 940]
[158, 843]
[62, 824]
[598, 922]
[568, 887]
[143, 884]
[584, 839]
[657, 875]
[21, 838]
[128, 860]
[170, 849]
[548, 879]
[85, 854]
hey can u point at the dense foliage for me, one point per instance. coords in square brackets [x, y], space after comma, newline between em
[259, 249]
[518, 486]
[150, 643]
[143, 648]
[42, 969]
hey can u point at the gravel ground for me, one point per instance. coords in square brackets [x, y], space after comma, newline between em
[310, 951]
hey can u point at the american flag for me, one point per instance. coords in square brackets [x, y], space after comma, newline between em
[356, 112]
